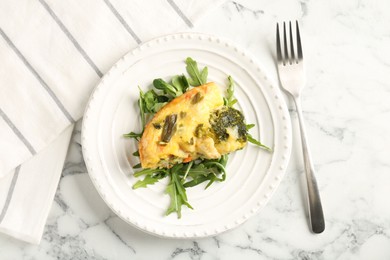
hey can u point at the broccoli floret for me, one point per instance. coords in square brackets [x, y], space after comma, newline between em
[228, 117]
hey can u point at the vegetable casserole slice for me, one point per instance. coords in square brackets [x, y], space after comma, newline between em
[191, 126]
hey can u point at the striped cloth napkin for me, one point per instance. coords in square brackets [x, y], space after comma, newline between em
[52, 54]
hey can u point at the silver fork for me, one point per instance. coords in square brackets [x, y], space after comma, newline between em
[292, 78]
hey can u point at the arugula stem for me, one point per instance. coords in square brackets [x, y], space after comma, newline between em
[187, 171]
[141, 104]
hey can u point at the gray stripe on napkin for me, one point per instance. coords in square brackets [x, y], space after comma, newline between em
[122, 21]
[71, 38]
[180, 13]
[10, 193]
[17, 132]
[38, 77]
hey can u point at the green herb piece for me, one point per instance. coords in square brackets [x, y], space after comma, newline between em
[182, 114]
[200, 131]
[197, 77]
[229, 100]
[136, 153]
[176, 192]
[157, 126]
[197, 98]
[169, 128]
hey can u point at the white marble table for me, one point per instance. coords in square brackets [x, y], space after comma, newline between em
[347, 110]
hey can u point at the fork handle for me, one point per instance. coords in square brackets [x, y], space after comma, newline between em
[315, 205]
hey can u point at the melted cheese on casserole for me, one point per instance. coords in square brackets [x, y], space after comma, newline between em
[192, 137]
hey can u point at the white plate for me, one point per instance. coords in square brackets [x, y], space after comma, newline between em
[252, 174]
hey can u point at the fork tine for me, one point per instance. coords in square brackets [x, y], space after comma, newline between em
[292, 55]
[286, 57]
[278, 48]
[299, 45]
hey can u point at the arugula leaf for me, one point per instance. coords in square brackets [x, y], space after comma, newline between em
[137, 166]
[166, 88]
[224, 159]
[216, 168]
[149, 99]
[249, 126]
[212, 179]
[153, 101]
[196, 181]
[180, 82]
[197, 77]
[151, 176]
[204, 74]
[252, 140]
[133, 135]
[150, 172]
[158, 106]
[256, 142]
[184, 82]
[177, 193]
[148, 180]
[230, 100]
[198, 174]
[207, 170]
